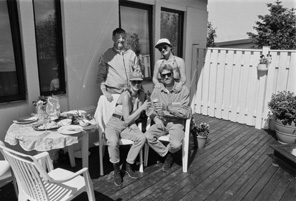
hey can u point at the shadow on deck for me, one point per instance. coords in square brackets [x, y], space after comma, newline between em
[234, 165]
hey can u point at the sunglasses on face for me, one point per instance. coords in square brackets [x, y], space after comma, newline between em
[165, 75]
[164, 47]
[136, 82]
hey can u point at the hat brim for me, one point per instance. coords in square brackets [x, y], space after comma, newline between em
[156, 46]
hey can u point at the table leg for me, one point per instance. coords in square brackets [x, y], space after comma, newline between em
[71, 155]
[84, 149]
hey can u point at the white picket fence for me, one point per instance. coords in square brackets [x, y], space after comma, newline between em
[226, 84]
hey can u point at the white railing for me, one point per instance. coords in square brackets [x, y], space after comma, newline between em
[226, 84]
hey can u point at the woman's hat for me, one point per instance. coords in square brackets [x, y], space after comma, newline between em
[163, 41]
[136, 75]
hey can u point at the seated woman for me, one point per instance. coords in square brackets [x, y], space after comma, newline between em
[129, 107]
[168, 58]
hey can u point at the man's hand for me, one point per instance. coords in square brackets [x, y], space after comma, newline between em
[108, 96]
[160, 107]
[158, 86]
[159, 123]
[178, 87]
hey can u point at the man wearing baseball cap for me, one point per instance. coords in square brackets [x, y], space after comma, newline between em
[168, 58]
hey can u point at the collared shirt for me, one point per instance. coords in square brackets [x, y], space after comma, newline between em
[178, 103]
[115, 67]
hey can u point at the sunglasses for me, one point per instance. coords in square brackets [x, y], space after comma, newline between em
[136, 82]
[164, 47]
[164, 75]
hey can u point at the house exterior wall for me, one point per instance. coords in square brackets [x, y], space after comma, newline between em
[87, 33]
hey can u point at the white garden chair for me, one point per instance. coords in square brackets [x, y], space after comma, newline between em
[185, 145]
[102, 115]
[37, 184]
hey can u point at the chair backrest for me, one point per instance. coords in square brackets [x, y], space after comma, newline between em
[105, 110]
[29, 173]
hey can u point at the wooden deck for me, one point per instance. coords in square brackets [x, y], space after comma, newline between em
[236, 164]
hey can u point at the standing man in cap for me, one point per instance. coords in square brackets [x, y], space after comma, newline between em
[168, 58]
[115, 65]
[171, 109]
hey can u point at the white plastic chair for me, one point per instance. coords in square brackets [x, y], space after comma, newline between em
[36, 184]
[185, 145]
[102, 115]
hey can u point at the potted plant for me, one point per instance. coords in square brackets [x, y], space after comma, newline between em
[201, 131]
[283, 108]
[264, 62]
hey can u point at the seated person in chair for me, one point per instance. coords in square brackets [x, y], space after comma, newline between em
[129, 106]
[171, 108]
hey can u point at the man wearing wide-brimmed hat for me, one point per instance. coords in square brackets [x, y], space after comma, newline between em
[168, 58]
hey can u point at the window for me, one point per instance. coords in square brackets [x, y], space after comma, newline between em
[48, 29]
[136, 20]
[12, 82]
[172, 28]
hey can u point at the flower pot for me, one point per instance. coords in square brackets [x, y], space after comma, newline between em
[285, 133]
[201, 140]
[262, 67]
[289, 129]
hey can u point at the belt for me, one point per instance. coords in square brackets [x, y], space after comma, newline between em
[118, 116]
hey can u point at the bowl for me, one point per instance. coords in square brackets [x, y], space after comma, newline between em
[65, 122]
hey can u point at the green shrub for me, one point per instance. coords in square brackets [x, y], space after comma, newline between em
[283, 106]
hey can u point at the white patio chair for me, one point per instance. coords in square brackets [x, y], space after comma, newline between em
[185, 145]
[102, 115]
[36, 184]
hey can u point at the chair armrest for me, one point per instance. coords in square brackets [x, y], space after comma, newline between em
[83, 170]
[44, 159]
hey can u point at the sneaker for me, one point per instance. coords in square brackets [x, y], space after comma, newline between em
[129, 170]
[168, 162]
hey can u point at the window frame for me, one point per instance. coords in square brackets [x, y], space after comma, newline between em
[59, 51]
[18, 55]
[180, 38]
[149, 9]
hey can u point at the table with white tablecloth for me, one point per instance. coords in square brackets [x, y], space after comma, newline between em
[30, 139]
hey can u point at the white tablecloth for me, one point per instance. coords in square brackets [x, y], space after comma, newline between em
[30, 139]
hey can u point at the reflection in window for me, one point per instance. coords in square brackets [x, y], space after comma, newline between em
[172, 28]
[12, 86]
[49, 47]
[136, 20]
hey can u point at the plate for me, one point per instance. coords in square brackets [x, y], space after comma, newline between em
[71, 129]
[25, 120]
[73, 112]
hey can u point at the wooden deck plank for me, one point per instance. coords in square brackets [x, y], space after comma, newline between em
[236, 154]
[237, 170]
[282, 186]
[209, 163]
[234, 165]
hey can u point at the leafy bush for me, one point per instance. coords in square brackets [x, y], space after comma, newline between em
[283, 106]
